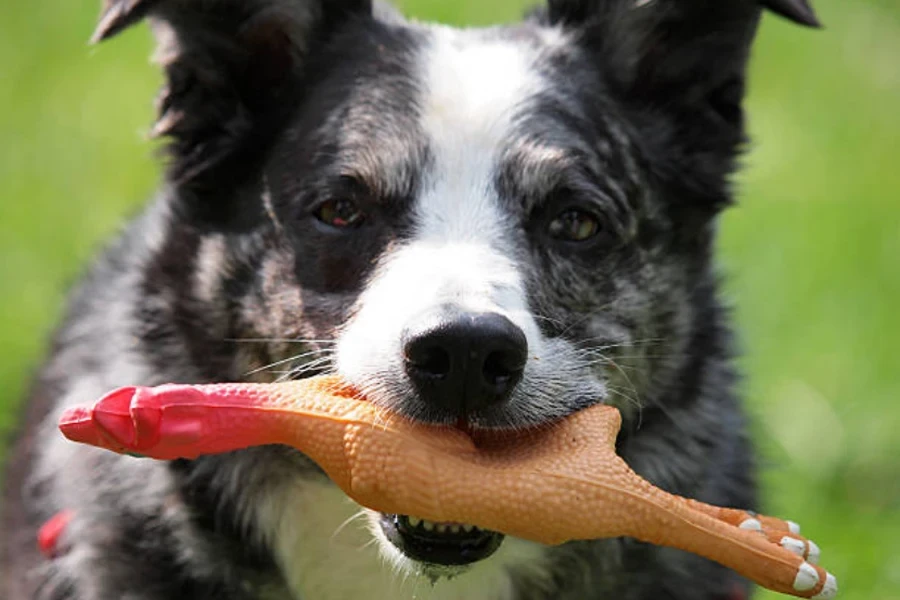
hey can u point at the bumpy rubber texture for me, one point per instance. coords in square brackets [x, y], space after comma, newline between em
[549, 485]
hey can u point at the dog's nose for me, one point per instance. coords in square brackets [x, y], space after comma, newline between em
[461, 363]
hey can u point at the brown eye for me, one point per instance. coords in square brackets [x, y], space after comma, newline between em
[340, 213]
[574, 225]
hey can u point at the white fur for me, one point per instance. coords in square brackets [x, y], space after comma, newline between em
[329, 548]
[472, 89]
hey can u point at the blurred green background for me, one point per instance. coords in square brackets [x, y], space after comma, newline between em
[811, 254]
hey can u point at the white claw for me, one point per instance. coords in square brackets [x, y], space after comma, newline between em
[794, 545]
[793, 527]
[751, 525]
[829, 590]
[814, 553]
[807, 578]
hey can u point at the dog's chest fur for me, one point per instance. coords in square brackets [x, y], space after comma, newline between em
[351, 559]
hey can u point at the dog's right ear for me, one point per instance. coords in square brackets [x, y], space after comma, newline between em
[681, 67]
[227, 64]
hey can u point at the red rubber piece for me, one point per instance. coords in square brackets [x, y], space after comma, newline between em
[49, 534]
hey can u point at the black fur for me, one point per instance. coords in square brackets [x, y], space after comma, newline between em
[274, 106]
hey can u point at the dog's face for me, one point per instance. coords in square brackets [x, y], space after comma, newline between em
[478, 209]
[482, 228]
[467, 210]
[471, 218]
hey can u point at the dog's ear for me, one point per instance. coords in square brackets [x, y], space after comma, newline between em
[681, 66]
[228, 66]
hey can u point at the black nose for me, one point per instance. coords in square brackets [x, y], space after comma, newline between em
[461, 363]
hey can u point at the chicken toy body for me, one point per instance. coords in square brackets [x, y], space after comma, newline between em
[549, 485]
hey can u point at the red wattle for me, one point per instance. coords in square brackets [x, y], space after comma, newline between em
[112, 416]
[76, 424]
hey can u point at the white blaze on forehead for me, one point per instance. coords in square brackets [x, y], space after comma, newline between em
[473, 87]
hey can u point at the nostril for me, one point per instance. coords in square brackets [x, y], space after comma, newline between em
[502, 369]
[431, 361]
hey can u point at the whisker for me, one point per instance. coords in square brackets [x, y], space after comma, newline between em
[577, 322]
[347, 521]
[660, 356]
[279, 341]
[631, 400]
[285, 360]
[624, 374]
[609, 361]
[584, 344]
[367, 544]
[626, 393]
[307, 366]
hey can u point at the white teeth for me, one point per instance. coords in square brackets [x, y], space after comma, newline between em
[452, 528]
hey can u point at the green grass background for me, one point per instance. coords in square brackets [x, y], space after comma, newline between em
[811, 254]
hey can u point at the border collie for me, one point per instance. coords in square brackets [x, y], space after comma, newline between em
[495, 227]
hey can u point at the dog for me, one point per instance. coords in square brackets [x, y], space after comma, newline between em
[491, 228]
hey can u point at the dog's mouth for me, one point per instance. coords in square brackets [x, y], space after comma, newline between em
[443, 544]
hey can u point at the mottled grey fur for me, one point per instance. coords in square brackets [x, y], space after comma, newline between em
[272, 108]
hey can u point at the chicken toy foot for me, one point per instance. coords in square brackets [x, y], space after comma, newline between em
[550, 485]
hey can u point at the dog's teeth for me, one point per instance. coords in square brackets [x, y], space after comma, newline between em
[468, 528]
[441, 528]
[428, 525]
[413, 521]
[453, 528]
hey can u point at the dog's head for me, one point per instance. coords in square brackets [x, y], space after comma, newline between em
[492, 228]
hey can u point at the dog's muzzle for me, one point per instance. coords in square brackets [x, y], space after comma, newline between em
[459, 363]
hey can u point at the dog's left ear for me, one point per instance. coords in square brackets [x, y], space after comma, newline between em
[680, 65]
[232, 70]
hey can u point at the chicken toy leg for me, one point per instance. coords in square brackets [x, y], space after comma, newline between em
[548, 485]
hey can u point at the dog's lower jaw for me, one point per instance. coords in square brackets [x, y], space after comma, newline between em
[328, 547]
[439, 544]
[493, 577]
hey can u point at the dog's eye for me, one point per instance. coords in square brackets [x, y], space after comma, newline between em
[574, 225]
[340, 213]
